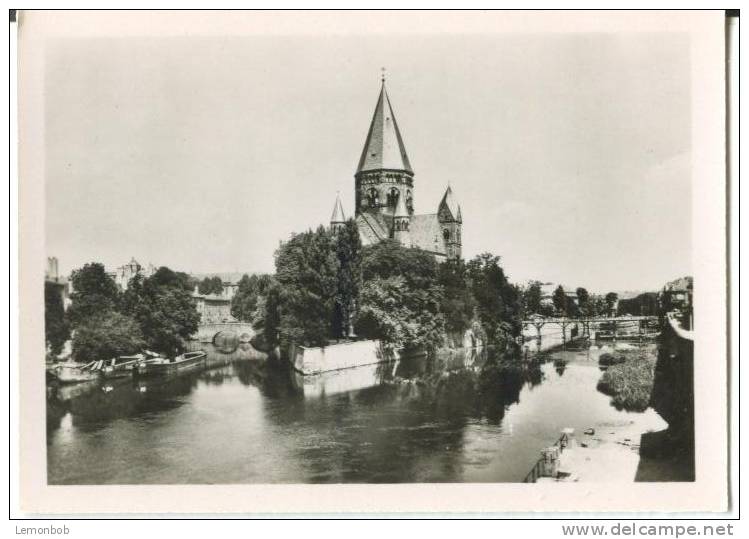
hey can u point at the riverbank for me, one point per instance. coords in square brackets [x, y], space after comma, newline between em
[607, 452]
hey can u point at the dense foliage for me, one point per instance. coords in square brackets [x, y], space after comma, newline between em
[250, 290]
[401, 297]
[211, 285]
[157, 312]
[94, 293]
[164, 310]
[109, 335]
[348, 252]
[458, 304]
[645, 304]
[307, 273]
[498, 303]
[611, 300]
[56, 328]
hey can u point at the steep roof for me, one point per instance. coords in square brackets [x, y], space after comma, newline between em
[451, 205]
[384, 147]
[426, 233]
[338, 215]
[373, 227]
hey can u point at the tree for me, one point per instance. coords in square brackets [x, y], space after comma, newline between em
[532, 298]
[175, 279]
[559, 297]
[348, 252]
[250, 289]
[307, 272]
[583, 301]
[458, 303]
[211, 285]
[611, 299]
[167, 316]
[267, 319]
[104, 337]
[164, 309]
[645, 304]
[56, 329]
[94, 294]
[571, 309]
[400, 297]
[498, 301]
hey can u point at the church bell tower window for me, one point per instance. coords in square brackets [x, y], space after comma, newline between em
[392, 199]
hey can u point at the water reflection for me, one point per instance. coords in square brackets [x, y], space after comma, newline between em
[466, 416]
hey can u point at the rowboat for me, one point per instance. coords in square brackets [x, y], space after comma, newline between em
[161, 366]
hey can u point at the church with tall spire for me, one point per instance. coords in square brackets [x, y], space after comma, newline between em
[385, 194]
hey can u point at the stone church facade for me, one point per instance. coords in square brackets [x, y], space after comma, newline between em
[385, 194]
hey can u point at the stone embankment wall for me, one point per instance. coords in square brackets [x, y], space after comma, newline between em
[314, 360]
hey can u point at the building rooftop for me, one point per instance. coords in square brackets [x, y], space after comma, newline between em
[383, 148]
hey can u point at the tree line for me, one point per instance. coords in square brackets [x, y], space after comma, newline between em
[328, 286]
[581, 303]
[156, 313]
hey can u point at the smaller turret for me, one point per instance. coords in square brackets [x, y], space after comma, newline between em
[402, 223]
[451, 221]
[338, 219]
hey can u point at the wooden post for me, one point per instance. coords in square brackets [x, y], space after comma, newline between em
[549, 462]
[564, 335]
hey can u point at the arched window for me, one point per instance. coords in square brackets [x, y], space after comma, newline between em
[409, 201]
[393, 196]
[446, 234]
[373, 198]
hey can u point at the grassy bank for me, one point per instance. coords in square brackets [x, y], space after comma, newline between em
[629, 384]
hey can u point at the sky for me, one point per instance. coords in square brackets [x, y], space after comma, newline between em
[569, 154]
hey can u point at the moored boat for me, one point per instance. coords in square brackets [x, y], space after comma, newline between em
[162, 366]
[68, 373]
[124, 365]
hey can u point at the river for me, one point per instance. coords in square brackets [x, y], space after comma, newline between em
[460, 417]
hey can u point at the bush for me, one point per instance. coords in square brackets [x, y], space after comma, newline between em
[630, 384]
[607, 359]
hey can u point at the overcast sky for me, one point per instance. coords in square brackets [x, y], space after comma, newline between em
[570, 155]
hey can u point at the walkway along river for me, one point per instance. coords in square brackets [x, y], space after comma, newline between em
[466, 416]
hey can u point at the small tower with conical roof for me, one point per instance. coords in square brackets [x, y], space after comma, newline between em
[402, 223]
[451, 222]
[338, 219]
[384, 174]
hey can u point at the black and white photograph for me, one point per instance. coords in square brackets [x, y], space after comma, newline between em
[378, 257]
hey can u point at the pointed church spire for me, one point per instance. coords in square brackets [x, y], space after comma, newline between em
[384, 147]
[338, 215]
[451, 205]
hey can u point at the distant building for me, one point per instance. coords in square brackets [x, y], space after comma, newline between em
[214, 308]
[385, 194]
[547, 293]
[124, 273]
[677, 294]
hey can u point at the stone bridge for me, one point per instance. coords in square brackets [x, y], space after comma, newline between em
[242, 331]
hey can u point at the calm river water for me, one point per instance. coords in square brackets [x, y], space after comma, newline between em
[463, 417]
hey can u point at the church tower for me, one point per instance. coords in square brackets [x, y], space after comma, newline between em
[384, 175]
[451, 222]
[402, 223]
[338, 219]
